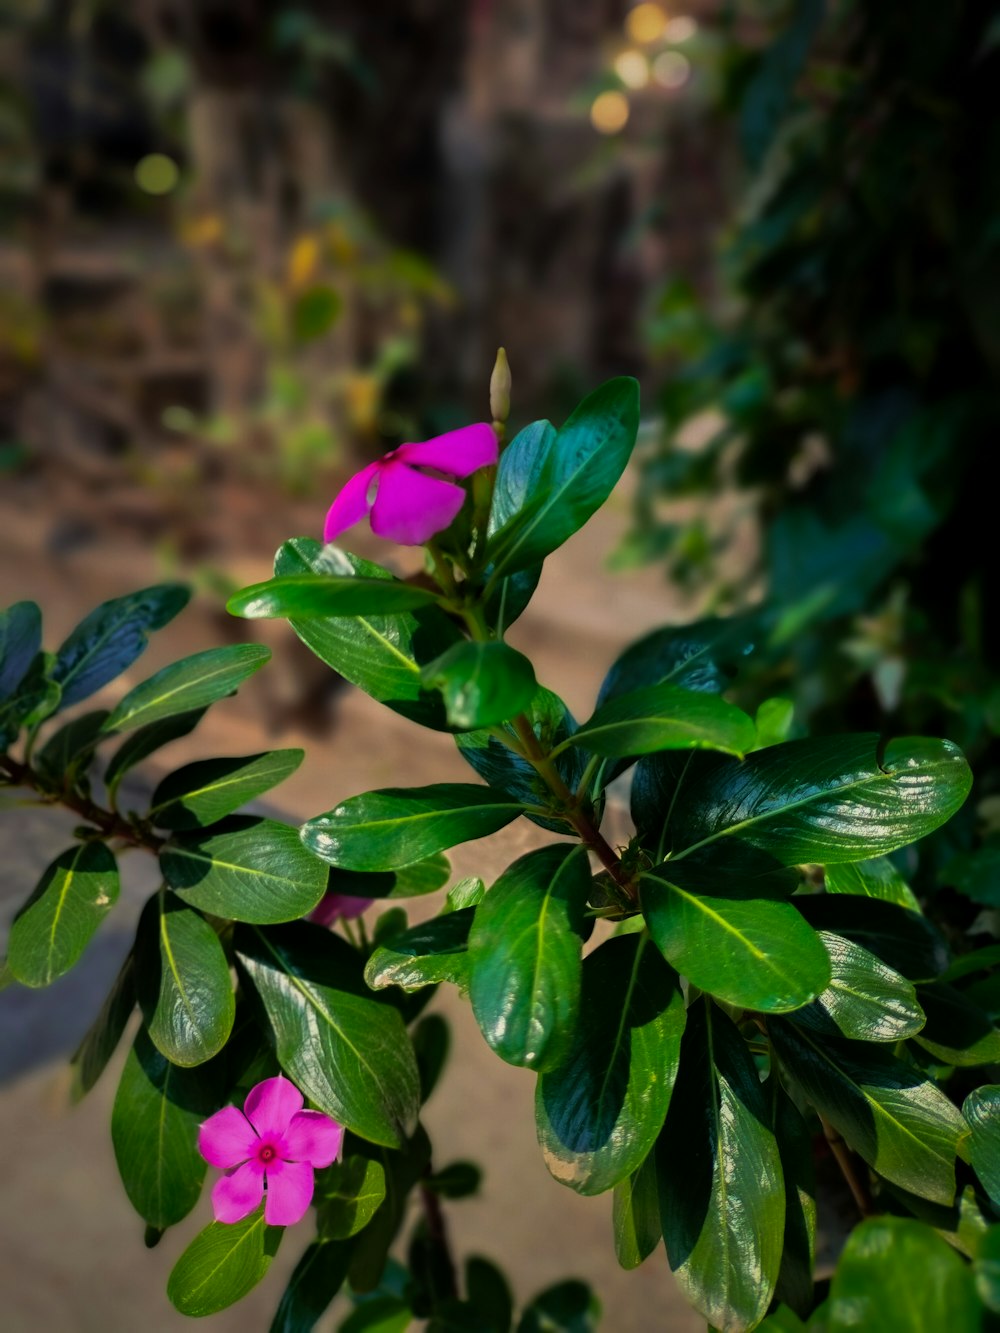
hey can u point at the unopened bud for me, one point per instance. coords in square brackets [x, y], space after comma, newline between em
[500, 388]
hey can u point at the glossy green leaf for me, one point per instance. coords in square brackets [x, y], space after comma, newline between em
[665, 717]
[896, 1118]
[981, 1110]
[110, 639]
[722, 1197]
[827, 799]
[898, 1276]
[877, 878]
[350, 1193]
[344, 1049]
[703, 656]
[184, 986]
[70, 749]
[315, 1280]
[986, 1270]
[154, 1130]
[424, 955]
[307, 596]
[383, 830]
[412, 881]
[102, 1037]
[798, 1251]
[190, 683]
[598, 1113]
[222, 1264]
[205, 792]
[635, 1215]
[382, 655]
[482, 684]
[957, 1031]
[20, 642]
[752, 952]
[524, 951]
[248, 869]
[904, 940]
[574, 473]
[36, 698]
[146, 741]
[55, 925]
[865, 1000]
[565, 1307]
[773, 722]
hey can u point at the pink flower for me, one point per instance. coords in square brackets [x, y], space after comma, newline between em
[411, 505]
[271, 1142]
[338, 906]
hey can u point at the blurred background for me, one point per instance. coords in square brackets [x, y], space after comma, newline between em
[246, 246]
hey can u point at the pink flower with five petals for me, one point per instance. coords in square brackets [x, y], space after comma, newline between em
[272, 1142]
[411, 505]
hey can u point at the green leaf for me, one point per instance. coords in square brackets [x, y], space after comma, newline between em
[308, 596]
[184, 987]
[865, 1000]
[457, 1180]
[382, 655]
[665, 717]
[598, 1113]
[412, 881]
[904, 940]
[100, 1041]
[635, 1215]
[524, 951]
[565, 1307]
[190, 683]
[897, 1119]
[70, 749]
[489, 1294]
[381, 1314]
[976, 873]
[20, 642]
[110, 639]
[898, 1276]
[827, 799]
[957, 1031]
[55, 925]
[798, 1252]
[205, 792]
[36, 697]
[146, 741]
[154, 1130]
[314, 312]
[722, 1197]
[482, 684]
[773, 722]
[987, 1270]
[317, 1278]
[877, 878]
[222, 1264]
[981, 1110]
[573, 474]
[248, 870]
[393, 827]
[702, 657]
[751, 952]
[424, 955]
[350, 1193]
[348, 1052]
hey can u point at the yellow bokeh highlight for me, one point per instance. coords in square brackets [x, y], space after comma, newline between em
[645, 23]
[632, 68]
[302, 260]
[203, 230]
[156, 173]
[609, 112]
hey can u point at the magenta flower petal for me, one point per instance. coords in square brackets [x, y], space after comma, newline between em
[236, 1194]
[314, 1138]
[458, 453]
[333, 906]
[289, 1193]
[226, 1138]
[271, 1105]
[352, 504]
[410, 508]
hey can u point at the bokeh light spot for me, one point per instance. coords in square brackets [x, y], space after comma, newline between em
[645, 23]
[609, 112]
[680, 29]
[632, 68]
[156, 173]
[671, 69]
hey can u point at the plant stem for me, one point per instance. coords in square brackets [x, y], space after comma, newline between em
[848, 1167]
[437, 1230]
[109, 824]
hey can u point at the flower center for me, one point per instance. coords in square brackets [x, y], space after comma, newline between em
[267, 1153]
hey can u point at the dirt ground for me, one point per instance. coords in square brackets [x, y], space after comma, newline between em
[71, 1253]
